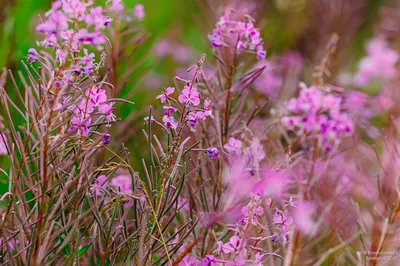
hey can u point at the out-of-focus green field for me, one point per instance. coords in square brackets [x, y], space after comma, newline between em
[181, 20]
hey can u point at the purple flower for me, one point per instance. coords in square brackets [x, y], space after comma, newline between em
[165, 95]
[189, 96]
[169, 122]
[169, 110]
[106, 138]
[212, 153]
[33, 55]
[209, 260]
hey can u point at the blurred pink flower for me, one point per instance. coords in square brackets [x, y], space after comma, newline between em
[380, 63]
[123, 182]
[138, 12]
[234, 146]
[303, 217]
[101, 184]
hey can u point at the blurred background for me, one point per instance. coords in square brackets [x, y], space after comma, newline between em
[175, 35]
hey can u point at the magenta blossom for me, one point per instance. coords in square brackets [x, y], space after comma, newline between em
[165, 95]
[234, 245]
[80, 125]
[189, 96]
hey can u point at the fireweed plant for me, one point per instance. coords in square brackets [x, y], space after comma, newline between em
[237, 175]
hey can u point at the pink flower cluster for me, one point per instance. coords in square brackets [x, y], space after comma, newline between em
[317, 115]
[380, 63]
[242, 36]
[253, 153]
[122, 182]
[190, 97]
[95, 100]
[58, 25]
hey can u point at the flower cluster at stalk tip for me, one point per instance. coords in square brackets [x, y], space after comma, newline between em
[186, 105]
[317, 115]
[73, 28]
[380, 63]
[239, 35]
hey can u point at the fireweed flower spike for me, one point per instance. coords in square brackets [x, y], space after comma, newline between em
[380, 63]
[230, 32]
[319, 116]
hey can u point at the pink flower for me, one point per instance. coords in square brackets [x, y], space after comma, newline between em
[318, 116]
[101, 184]
[138, 12]
[96, 96]
[234, 244]
[169, 122]
[303, 218]
[169, 110]
[189, 96]
[96, 18]
[80, 125]
[230, 31]
[183, 202]
[75, 8]
[107, 111]
[190, 261]
[256, 151]
[283, 220]
[116, 6]
[380, 63]
[165, 95]
[234, 146]
[259, 258]
[123, 182]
